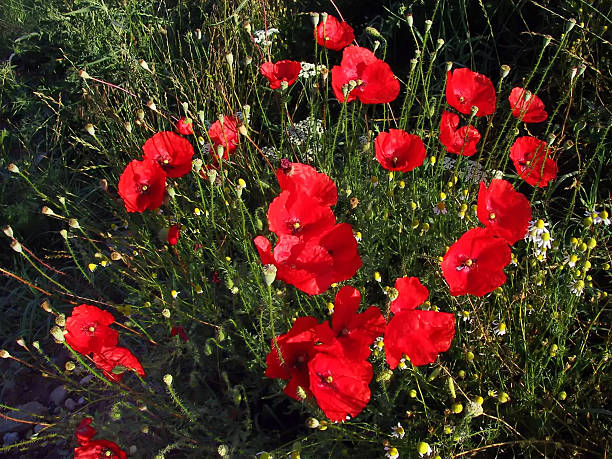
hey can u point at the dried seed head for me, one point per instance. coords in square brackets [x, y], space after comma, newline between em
[8, 231]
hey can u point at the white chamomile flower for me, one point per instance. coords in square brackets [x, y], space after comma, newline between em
[500, 329]
[264, 37]
[571, 260]
[577, 288]
[398, 431]
[440, 208]
[391, 452]
[492, 393]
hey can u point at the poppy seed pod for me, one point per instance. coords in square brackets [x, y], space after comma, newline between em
[8, 231]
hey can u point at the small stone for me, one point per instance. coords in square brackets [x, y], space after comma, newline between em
[70, 404]
[86, 380]
[58, 395]
[10, 438]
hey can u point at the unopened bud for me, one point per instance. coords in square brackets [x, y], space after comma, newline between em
[13, 168]
[168, 380]
[547, 40]
[144, 65]
[269, 272]
[505, 70]
[570, 25]
[8, 231]
[314, 17]
[152, 105]
[60, 320]
[58, 334]
[312, 423]
[16, 246]
[410, 20]
[373, 32]
[220, 151]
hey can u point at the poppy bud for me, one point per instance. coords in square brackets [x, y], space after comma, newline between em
[269, 272]
[16, 246]
[314, 17]
[8, 231]
[57, 334]
[373, 32]
[505, 70]
[13, 168]
[410, 20]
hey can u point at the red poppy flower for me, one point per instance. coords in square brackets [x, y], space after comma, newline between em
[411, 294]
[420, 335]
[280, 71]
[171, 151]
[531, 158]
[296, 213]
[142, 185]
[333, 34]
[466, 89]
[355, 332]
[87, 329]
[312, 265]
[300, 344]
[475, 263]
[84, 432]
[373, 79]
[397, 150]
[114, 361]
[96, 449]
[178, 330]
[460, 141]
[224, 134]
[340, 386]
[505, 211]
[303, 178]
[184, 126]
[173, 234]
[526, 106]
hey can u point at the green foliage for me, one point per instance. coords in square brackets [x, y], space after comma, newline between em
[534, 350]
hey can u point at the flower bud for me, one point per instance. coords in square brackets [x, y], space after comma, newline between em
[8, 231]
[58, 334]
[410, 20]
[140, 114]
[505, 70]
[570, 25]
[374, 33]
[314, 17]
[16, 246]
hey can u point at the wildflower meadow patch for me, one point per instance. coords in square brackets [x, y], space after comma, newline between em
[281, 236]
